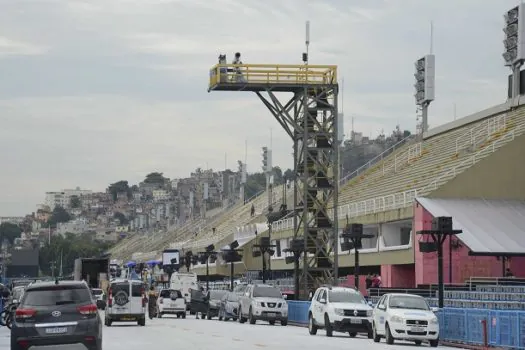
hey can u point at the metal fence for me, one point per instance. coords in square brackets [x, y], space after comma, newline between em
[503, 328]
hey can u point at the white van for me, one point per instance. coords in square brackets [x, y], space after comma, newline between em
[184, 282]
[126, 302]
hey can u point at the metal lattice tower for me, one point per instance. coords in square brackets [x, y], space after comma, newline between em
[309, 116]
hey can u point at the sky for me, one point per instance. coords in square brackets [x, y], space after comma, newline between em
[97, 91]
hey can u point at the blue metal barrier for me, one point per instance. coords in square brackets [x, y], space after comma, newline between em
[505, 328]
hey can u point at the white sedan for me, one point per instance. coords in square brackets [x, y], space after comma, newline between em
[405, 317]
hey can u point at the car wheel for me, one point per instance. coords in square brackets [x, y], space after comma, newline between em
[272, 323]
[284, 323]
[250, 317]
[312, 328]
[328, 326]
[418, 342]
[375, 336]
[352, 334]
[388, 335]
[434, 343]
[184, 315]
[142, 322]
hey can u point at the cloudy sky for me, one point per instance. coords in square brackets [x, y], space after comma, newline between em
[95, 91]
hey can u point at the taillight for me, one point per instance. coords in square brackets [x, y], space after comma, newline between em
[161, 300]
[22, 314]
[110, 299]
[144, 301]
[88, 309]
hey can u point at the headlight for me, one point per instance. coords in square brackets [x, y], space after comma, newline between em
[259, 304]
[396, 319]
[434, 320]
[284, 305]
[369, 313]
[339, 312]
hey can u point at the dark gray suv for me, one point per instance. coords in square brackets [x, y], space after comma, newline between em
[57, 313]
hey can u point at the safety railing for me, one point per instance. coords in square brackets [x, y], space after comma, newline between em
[467, 163]
[271, 74]
[403, 158]
[481, 132]
[497, 328]
[380, 157]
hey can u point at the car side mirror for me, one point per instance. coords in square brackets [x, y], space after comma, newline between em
[434, 309]
[381, 307]
[322, 301]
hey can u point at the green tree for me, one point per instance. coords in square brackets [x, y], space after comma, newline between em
[155, 178]
[59, 215]
[289, 174]
[9, 231]
[121, 218]
[75, 202]
[119, 187]
[70, 247]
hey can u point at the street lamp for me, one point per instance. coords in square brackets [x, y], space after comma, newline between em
[204, 258]
[188, 260]
[353, 239]
[296, 249]
[263, 249]
[441, 229]
[231, 255]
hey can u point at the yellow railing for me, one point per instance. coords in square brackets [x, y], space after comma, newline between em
[272, 74]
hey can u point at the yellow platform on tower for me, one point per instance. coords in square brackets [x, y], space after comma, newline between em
[277, 77]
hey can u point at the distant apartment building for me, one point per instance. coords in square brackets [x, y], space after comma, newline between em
[17, 220]
[63, 198]
[160, 195]
[107, 236]
[76, 226]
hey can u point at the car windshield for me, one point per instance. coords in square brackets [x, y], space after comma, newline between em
[217, 294]
[233, 297]
[408, 302]
[57, 295]
[166, 293]
[267, 292]
[346, 296]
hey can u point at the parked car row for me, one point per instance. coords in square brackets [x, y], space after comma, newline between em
[396, 316]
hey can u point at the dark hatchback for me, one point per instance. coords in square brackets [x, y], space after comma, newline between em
[56, 313]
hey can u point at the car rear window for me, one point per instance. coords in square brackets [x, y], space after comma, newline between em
[57, 295]
[97, 291]
[136, 288]
[166, 293]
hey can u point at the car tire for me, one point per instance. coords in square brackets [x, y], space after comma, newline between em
[375, 336]
[370, 335]
[434, 343]
[272, 322]
[388, 335]
[352, 334]
[251, 318]
[328, 326]
[183, 315]
[312, 328]
[142, 322]
[284, 323]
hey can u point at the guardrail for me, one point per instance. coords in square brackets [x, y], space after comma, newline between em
[362, 169]
[466, 326]
[481, 132]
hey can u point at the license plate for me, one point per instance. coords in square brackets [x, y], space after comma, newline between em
[355, 321]
[417, 329]
[271, 314]
[56, 330]
[128, 318]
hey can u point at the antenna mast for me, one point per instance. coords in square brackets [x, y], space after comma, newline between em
[307, 42]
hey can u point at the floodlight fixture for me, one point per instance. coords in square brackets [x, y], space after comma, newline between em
[514, 40]
[234, 245]
[442, 228]
[425, 79]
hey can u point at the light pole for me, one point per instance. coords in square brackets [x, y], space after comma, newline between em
[441, 229]
[353, 239]
[204, 258]
[263, 249]
[231, 255]
[296, 249]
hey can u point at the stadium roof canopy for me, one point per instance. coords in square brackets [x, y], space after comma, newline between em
[490, 227]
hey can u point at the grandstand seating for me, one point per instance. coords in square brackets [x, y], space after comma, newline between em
[419, 168]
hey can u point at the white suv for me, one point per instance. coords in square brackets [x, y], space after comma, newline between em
[407, 317]
[263, 302]
[339, 309]
[172, 302]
